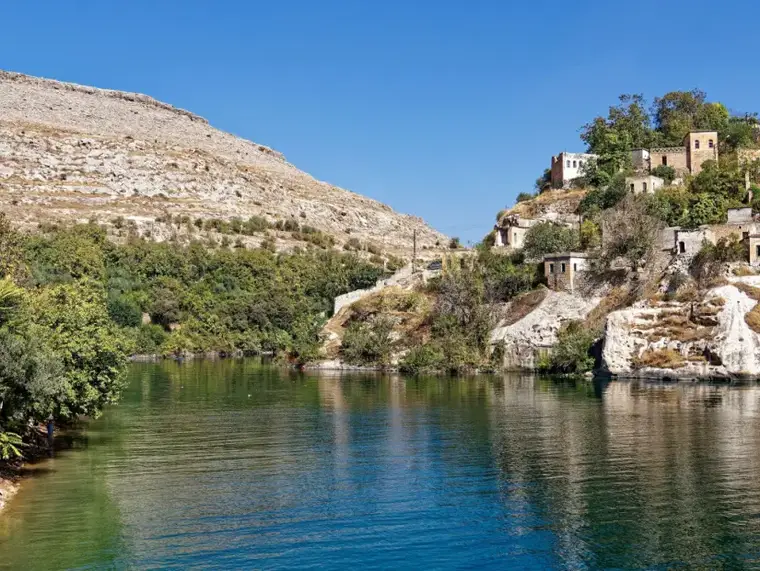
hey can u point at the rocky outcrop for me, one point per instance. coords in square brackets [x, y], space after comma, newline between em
[708, 338]
[71, 152]
[552, 206]
[535, 331]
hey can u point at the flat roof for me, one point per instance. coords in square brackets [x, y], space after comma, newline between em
[566, 255]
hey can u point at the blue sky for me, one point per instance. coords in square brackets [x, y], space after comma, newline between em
[444, 109]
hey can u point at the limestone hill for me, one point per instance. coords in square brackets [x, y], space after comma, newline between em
[76, 153]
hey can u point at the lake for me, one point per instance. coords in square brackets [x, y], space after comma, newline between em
[235, 464]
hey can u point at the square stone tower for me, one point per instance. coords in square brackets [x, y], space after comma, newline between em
[700, 146]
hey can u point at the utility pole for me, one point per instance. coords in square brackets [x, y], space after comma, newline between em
[414, 251]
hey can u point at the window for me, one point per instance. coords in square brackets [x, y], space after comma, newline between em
[681, 248]
[711, 144]
[580, 163]
[633, 188]
[757, 250]
[644, 186]
[575, 267]
[696, 144]
[551, 268]
[568, 164]
[665, 160]
[562, 268]
[575, 164]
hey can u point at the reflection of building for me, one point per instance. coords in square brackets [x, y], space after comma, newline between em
[567, 166]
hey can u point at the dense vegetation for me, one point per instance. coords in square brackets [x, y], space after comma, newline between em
[446, 327]
[74, 305]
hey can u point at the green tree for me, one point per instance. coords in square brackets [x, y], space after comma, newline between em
[548, 237]
[631, 233]
[73, 320]
[665, 172]
[678, 112]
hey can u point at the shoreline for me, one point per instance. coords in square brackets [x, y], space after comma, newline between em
[10, 482]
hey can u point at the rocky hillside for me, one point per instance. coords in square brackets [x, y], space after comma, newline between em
[713, 335]
[551, 205]
[69, 152]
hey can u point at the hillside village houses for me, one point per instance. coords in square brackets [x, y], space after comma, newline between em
[563, 271]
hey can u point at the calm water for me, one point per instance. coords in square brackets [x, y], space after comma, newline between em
[231, 464]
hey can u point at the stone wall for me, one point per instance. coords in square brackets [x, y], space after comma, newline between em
[353, 296]
[673, 157]
[689, 242]
[700, 146]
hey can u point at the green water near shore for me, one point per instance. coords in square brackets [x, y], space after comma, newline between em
[235, 464]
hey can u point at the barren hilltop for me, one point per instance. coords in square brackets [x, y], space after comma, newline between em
[75, 153]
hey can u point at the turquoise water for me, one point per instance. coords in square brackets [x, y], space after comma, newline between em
[237, 465]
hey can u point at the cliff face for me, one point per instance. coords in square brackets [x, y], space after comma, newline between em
[70, 152]
[530, 327]
[707, 338]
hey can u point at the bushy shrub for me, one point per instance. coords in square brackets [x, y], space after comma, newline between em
[427, 358]
[712, 258]
[124, 311]
[572, 353]
[665, 172]
[368, 343]
[148, 339]
[548, 237]
[523, 196]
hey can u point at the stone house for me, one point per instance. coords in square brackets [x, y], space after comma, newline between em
[510, 231]
[689, 242]
[741, 224]
[565, 271]
[643, 183]
[567, 166]
[697, 147]
[754, 250]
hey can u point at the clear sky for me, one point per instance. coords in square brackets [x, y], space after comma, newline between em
[441, 108]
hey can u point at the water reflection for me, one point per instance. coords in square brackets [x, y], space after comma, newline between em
[234, 464]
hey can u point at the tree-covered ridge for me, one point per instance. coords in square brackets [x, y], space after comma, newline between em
[74, 306]
[633, 124]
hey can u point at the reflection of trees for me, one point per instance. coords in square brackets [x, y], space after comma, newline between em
[228, 455]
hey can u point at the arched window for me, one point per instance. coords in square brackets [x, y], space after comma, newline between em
[710, 144]
[568, 164]
[644, 186]
[665, 160]
[696, 144]
[575, 164]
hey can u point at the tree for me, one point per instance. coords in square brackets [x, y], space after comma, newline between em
[627, 126]
[678, 112]
[454, 243]
[73, 320]
[523, 196]
[548, 237]
[630, 233]
[718, 179]
[544, 182]
[602, 198]
[665, 172]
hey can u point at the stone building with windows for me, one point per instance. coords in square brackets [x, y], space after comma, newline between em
[643, 183]
[698, 147]
[566, 271]
[510, 231]
[567, 166]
